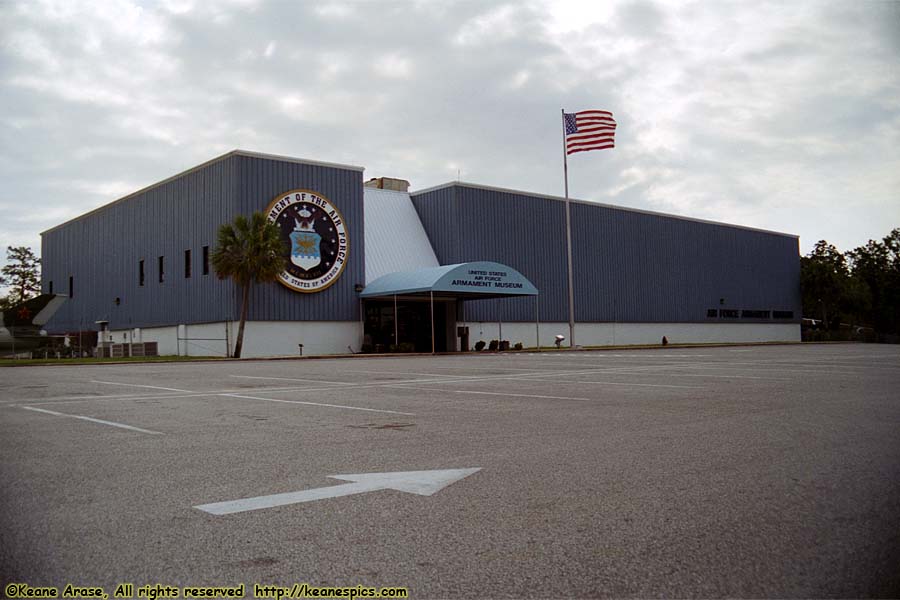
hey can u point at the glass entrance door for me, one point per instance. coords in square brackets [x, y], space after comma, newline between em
[413, 326]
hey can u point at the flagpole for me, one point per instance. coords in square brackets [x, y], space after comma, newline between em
[571, 286]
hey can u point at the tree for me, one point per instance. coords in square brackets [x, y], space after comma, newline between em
[824, 283]
[4, 300]
[21, 273]
[877, 267]
[248, 251]
[859, 287]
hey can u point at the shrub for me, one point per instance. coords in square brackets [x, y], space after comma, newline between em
[518, 346]
[494, 345]
[407, 347]
[479, 345]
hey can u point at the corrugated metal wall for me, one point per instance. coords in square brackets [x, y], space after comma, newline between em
[629, 266]
[259, 182]
[102, 250]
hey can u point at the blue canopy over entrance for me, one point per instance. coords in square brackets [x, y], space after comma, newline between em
[470, 280]
[446, 284]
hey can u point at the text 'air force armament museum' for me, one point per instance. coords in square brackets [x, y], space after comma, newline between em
[373, 266]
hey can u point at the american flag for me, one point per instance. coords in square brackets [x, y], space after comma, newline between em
[589, 130]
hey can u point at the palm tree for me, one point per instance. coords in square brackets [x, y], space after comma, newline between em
[248, 250]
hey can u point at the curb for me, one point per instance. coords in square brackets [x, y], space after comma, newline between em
[543, 350]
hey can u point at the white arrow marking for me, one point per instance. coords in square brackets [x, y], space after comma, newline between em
[424, 483]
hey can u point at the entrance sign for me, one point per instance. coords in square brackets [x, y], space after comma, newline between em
[495, 279]
[482, 278]
[423, 483]
[315, 231]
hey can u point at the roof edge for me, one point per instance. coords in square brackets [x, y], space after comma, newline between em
[366, 189]
[593, 203]
[210, 162]
[302, 161]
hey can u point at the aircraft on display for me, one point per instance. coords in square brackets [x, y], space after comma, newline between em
[20, 326]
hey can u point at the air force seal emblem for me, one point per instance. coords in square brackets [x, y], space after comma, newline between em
[305, 242]
[317, 237]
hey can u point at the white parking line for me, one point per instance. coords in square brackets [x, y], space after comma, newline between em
[93, 420]
[660, 385]
[465, 368]
[291, 379]
[534, 376]
[598, 359]
[411, 373]
[78, 399]
[824, 366]
[204, 394]
[756, 368]
[393, 412]
[83, 398]
[413, 387]
[667, 374]
[152, 387]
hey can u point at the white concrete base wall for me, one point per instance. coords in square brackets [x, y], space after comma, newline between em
[623, 334]
[261, 338]
[280, 338]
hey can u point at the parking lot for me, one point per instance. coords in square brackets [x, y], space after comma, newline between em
[736, 471]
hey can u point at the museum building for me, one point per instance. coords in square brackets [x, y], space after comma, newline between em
[372, 266]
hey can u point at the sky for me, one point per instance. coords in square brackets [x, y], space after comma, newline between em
[776, 115]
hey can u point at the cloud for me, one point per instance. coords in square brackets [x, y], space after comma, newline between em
[394, 66]
[781, 116]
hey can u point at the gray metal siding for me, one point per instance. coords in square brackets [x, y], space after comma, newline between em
[637, 267]
[102, 249]
[629, 266]
[437, 211]
[260, 181]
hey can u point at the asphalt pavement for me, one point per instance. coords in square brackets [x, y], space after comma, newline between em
[758, 471]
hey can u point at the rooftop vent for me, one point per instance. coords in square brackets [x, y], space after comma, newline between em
[388, 183]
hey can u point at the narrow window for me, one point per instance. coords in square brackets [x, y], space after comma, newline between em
[162, 273]
[71, 287]
[206, 260]
[141, 277]
[187, 264]
[783, 314]
[727, 313]
[51, 287]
